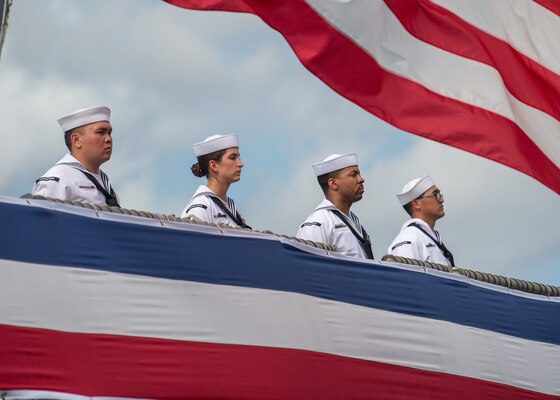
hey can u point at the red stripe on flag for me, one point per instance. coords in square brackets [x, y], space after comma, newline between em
[218, 5]
[351, 72]
[107, 365]
[527, 80]
[552, 5]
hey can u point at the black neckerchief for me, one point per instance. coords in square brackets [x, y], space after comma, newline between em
[236, 218]
[110, 197]
[446, 253]
[365, 241]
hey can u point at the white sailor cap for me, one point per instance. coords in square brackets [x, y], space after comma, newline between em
[334, 162]
[84, 116]
[215, 143]
[415, 188]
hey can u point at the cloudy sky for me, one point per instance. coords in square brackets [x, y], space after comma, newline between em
[172, 77]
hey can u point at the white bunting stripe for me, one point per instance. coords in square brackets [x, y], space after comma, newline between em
[121, 304]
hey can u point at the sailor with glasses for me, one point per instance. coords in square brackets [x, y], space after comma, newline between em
[418, 239]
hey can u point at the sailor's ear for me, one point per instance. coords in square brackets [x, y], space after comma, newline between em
[213, 165]
[75, 139]
[332, 183]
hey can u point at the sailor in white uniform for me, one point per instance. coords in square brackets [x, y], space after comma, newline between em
[218, 159]
[77, 176]
[332, 222]
[418, 239]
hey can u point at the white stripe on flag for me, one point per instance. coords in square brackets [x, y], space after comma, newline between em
[50, 395]
[90, 301]
[524, 24]
[375, 28]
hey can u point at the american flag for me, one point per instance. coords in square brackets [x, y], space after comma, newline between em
[479, 75]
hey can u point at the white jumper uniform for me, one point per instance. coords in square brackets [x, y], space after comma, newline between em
[204, 208]
[66, 181]
[326, 227]
[411, 242]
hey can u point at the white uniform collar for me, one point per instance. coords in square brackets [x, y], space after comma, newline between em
[69, 159]
[204, 190]
[326, 204]
[420, 222]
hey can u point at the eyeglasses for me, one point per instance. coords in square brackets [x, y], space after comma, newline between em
[436, 195]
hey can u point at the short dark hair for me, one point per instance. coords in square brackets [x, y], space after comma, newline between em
[324, 179]
[67, 140]
[201, 168]
[67, 135]
[408, 208]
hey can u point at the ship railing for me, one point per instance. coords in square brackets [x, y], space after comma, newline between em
[510, 283]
